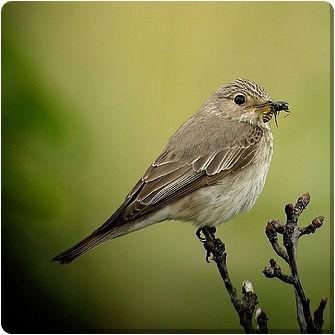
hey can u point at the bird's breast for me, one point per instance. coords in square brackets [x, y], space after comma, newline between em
[233, 194]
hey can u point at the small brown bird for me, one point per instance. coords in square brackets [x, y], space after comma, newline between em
[211, 169]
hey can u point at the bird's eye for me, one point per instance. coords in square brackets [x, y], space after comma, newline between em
[239, 99]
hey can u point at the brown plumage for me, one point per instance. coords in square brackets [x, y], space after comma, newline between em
[222, 140]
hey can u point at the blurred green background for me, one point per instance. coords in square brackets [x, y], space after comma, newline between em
[90, 94]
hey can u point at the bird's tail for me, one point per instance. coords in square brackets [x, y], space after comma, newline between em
[89, 243]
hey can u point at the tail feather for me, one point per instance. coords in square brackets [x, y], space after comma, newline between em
[89, 243]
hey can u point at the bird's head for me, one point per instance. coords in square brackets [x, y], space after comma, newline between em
[247, 101]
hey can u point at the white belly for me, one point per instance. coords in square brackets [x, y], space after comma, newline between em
[213, 205]
[236, 193]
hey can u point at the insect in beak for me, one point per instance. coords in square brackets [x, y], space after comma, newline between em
[279, 106]
[275, 108]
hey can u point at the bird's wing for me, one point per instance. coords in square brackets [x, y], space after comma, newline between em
[195, 156]
[176, 173]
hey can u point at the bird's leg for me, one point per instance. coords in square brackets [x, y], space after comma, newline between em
[208, 239]
[212, 231]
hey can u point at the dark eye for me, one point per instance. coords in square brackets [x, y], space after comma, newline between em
[239, 99]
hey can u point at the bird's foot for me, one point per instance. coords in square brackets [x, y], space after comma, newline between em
[213, 245]
[207, 232]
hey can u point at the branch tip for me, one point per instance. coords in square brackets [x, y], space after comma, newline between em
[273, 227]
[262, 319]
[323, 301]
[302, 202]
[258, 312]
[318, 315]
[247, 287]
[291, 233]
[318, 222]
[310, 229]
[289, 209]
[305, 198]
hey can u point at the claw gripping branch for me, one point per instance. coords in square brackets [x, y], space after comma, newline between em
[244, 306]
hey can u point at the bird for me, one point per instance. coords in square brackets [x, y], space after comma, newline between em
[211, 169]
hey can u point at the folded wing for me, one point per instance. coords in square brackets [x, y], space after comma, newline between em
[184, 166]
[176, 173]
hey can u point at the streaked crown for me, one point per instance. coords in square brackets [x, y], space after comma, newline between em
[246, 86]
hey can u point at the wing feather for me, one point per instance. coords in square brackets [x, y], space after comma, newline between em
[162, 170]
[151, 189]
[178, 172]
[202, 162]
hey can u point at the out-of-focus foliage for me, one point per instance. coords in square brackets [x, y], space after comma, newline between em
[90, 94]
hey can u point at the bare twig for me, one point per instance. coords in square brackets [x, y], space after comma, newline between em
[291, 233]
[310, 229]
[262, 321]
[274, 271]
[318, 315]
[245, 306]
[271, 230]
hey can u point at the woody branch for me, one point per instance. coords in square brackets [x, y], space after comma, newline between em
[244, 306]
[291, 234]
